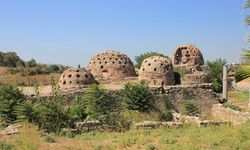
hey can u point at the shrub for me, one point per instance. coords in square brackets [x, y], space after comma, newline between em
[5, 146]
[167, 116]
[10, 97]
[191, 107]
[102, 106]
[138, 97]
[216, 73]
[76, 111]
[49, 138]
[139, 59]
[232, 106]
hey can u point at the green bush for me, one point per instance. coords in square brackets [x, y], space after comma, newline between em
[76, 111]
[138, 97]
[191, 107]
[5, 146]
[216, 73]
[139, 59]
[102, 106]
[167, 116]
[49, 138]
[232, 106]
[10, 97]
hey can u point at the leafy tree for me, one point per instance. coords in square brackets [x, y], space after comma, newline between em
[138, 96]
[31, 63]
[216, 73]
[54, 68]
[10, 59]
[139, 59]
[102, 106]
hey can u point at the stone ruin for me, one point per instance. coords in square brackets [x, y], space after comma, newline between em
[157, 70]
[75, 78]
[190, 59]
[111, 65]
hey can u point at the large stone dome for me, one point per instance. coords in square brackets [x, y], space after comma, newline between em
[76, 78]
[111, 65]
[157, 70]
[188, 57]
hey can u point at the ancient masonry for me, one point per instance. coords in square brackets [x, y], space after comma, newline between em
[111, 65]
[74, 78]
[188, 58]
[157, 70]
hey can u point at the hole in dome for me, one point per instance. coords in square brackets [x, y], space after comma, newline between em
[123, 66]
[78, 76]
[110, 58]
[70, 82]
[105, 71]
[149, 64]
[161, 64]
[104, 58]
[101, 67]
[77, 70]
[98, 58]
[143, 69]
[113, 62]
[69, 75]
[100, 62]
[86, 76]
[125, 62]
[63, 76]
[155, 60]
[146, 61]
[64, 82]
[120, 62]
[77, 82]
[106, 62]
[89, 70]
[113, 54]
[116, 59]
[154, 69]
[94, 62]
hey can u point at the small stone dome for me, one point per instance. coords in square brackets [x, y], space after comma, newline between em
[189, 57]
[111, 65]
[75, 78]
[157, 70]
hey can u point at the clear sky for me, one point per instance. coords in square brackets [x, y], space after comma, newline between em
[70, 32]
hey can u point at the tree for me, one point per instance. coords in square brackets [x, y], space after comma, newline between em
[31, 63]
[216, 73]
[244, 70]
[139, 59]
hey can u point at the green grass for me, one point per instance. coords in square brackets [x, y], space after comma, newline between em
[241, 96]
[137, 116]
[189, 137]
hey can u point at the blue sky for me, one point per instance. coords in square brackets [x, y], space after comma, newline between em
[70, 32]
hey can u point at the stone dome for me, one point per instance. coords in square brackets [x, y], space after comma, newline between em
[76, 78]
[188, 57]
[111, 65]
[157, 70]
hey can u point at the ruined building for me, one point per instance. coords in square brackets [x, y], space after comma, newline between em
[111, 65]
[157, 70]
[189, 59]
[75, 78]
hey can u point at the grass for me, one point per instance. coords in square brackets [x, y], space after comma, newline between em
[189, 137]
[240, 99]
[139, 116]
[43, 79]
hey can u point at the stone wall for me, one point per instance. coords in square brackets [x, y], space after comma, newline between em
[226, 114]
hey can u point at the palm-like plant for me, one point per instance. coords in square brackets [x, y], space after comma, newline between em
[244, 70]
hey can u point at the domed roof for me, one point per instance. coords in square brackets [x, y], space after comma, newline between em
[188, 55]
[76, 77]
[157, 70]
[111, 65]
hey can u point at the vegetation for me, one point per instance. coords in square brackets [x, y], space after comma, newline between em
[139, 59]
[102, 106]
[188, 137]
[232, 106]
[191, 107]
[5, 146]
[137, 96]
[10, 98]
[216, 73]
